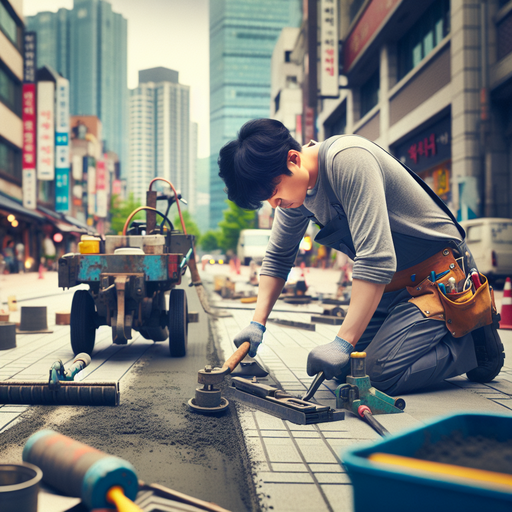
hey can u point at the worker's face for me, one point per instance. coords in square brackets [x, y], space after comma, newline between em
[291, 190]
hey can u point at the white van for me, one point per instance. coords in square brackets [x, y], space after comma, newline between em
[252, 244]
[490, 241]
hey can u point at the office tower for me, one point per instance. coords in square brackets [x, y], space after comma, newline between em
[242, 38]
[88, 46]
[160, 131]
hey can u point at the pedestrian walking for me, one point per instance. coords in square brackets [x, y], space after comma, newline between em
[8, 253]
[20, 257]
[405, 244]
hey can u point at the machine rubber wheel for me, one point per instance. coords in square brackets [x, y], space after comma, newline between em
[156, 332]
[83, 322]
[178, 323]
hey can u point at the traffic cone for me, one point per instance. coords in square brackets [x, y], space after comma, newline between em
[506, 306]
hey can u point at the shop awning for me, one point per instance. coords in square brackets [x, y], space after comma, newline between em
[12, 206]
[76, 222]
[65, 223]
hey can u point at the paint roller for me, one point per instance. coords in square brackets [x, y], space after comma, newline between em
[102, 481]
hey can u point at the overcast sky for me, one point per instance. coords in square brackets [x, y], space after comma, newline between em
[169, 33]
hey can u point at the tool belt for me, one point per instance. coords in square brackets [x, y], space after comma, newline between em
[462, 311]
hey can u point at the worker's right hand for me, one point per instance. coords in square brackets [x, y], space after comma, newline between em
[329, 358]
[253, 333]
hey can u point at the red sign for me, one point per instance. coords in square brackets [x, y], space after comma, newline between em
[28, 118]
[424, 148]
[365, 29]
[101, 176]
[309, 125]
[116, 187]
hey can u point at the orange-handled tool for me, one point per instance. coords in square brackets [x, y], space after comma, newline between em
[115, 495]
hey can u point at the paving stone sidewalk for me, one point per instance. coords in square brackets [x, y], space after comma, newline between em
[296, 467]
[299, 467]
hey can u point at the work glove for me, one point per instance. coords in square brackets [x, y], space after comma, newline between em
[252, 333]
[330, 358]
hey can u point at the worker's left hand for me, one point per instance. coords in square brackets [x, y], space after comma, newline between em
[330, 358]
[253, 333]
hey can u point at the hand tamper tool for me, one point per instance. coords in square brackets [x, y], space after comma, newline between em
[102, 481]
[208, 399]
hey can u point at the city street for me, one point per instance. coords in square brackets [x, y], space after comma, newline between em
[243, 460]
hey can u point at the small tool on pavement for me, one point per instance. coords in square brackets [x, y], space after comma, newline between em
[274, 401]
[208, 399]
[359, 391]
[77, 469]
[317, 381]
[366, 414]
[61, 389]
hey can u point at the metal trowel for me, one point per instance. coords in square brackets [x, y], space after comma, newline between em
[249, 367]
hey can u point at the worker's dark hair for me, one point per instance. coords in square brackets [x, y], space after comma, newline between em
[252, 164]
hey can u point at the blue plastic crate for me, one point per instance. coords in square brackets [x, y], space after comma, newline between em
[395, 490]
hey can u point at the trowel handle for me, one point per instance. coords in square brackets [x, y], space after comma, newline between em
[237, 356]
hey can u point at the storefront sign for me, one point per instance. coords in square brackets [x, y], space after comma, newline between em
[45, 131]
[101, 203]
[328, 72]
[62, 190]
[28, 117]
[366, 28]
[309, 124]
[62, 145]
[77, 167]
[441, 181]
[29, 57]
[29, 186]
[116, 187]
[101, 176]
[91, 190]
[428, 148]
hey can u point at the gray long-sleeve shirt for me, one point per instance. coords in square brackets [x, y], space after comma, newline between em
[380, 199]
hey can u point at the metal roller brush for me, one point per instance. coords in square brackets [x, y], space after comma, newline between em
[60, 389]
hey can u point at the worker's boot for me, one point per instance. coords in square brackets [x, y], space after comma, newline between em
[489, 350]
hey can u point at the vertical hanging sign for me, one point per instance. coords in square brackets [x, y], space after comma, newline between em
[91, 189]
[62, 165]
[28, 117]
[329, 72]
[46, 131]
[101, 190]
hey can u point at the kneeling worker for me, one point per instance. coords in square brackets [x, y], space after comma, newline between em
[411, 264]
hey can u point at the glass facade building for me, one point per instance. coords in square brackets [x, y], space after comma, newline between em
[88, 46]
[163, 141]
[242, 37]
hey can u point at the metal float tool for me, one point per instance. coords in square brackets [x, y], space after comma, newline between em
[279, 403]
[208, 399]
[61, 389]
[358, 390]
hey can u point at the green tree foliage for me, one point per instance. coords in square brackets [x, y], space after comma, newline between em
[190, 225]
[210, 241]
[120, 211]
[235, 219]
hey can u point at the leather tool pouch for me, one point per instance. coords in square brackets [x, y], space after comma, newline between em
[462, 312]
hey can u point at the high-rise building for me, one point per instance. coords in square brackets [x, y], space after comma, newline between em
[242, 38]
[160, 132]
[88, 46]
